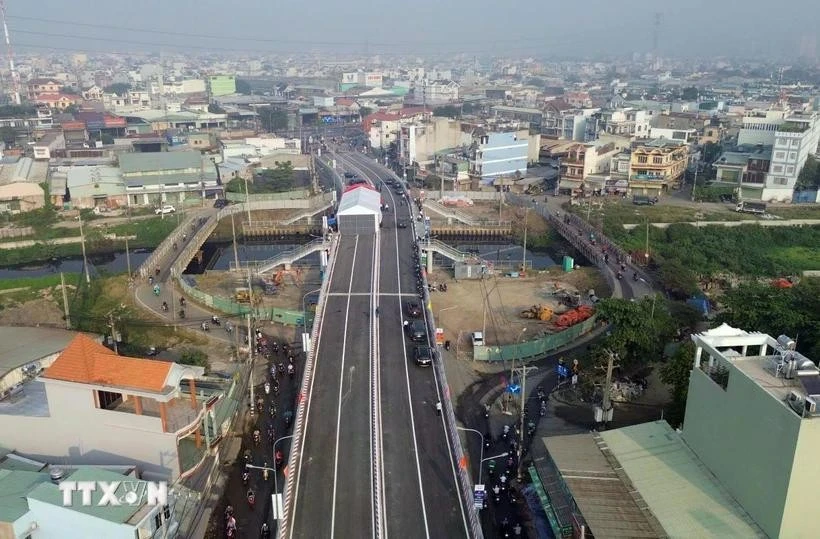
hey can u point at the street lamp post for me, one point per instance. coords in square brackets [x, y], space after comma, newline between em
[481, 464]
[275, 472]
[481, 457]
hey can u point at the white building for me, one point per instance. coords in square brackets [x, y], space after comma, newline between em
[794, 137]
[437, 91]
[185, 86]
[91, 406]
[686, 136]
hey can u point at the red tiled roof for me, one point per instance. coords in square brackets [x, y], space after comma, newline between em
[344, 101]
[85, 361]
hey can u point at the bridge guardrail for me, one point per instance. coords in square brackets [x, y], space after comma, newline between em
[453, 438]
[302, 403]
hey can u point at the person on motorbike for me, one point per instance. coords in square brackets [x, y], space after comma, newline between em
[165, 306]
[265, 530]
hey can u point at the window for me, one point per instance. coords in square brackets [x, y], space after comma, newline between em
[780, 181]
[642, 159]
[779, 155]
[792, 156]
[777, 169]
[782, 142]
[790, 170]
[657, 160]
[158, 521]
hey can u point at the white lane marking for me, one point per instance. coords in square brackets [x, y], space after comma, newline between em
[301, 430]
[380, 528]
[407, 385]
[339, 410]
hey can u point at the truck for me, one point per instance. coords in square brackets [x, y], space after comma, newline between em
[751, 207]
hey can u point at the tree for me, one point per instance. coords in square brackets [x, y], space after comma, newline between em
[711, 151]
[8, 135]
[677, 279]
[365, 112]
[675, 373]
[809, 174]
[243, 87]
[690, 93]
[193, 356]
[213, 108]
[71, 109]
[447, 111]
[118, 88]
[273, 119]
[639, 328]
[17, 111]
[792, 311]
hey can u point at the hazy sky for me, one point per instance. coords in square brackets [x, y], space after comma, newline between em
[475, 27]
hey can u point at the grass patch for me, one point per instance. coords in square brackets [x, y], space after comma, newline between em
[37, 283]
[797, 212]
[149, 232]
[798, 256]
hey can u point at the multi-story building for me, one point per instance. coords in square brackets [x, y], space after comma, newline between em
[420, 141]
[429, 92]
[752, 419]
[657, 166]
[92, 406]
[684, 136]
[682, 120]
[579, 125]
[794, 140]
[383, 127]
[498, 154]
[759, 126]
[35, 87]
[746, 168]
[627, 122]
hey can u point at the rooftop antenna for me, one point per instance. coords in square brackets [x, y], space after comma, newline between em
[15, 77]
[658, 17]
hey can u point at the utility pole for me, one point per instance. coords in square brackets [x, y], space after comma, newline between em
[235, 252]
[523, 371]
[65, 301]
[604, 413]
[128, 257]
[524, 260]
[82, 241]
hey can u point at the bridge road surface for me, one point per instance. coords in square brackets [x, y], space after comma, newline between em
[333, 495]
[421, 492]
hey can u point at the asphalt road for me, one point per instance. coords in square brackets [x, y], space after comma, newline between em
[369, 403]
[333, 494]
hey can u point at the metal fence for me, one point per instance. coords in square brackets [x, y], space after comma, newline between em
[234, 308]
[536, 348]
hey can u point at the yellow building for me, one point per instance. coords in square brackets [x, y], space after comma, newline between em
[657, 166]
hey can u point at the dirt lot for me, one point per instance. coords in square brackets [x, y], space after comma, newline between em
[38, 312]
[291, 289]
[460, 310]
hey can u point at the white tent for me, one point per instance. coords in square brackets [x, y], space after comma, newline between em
[359, 211]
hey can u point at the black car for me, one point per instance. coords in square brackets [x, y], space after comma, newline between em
[413, 309]
[401, 224]
[423, 356]
[416, 330]
[220, 203]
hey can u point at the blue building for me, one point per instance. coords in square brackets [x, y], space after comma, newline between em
[499, 154]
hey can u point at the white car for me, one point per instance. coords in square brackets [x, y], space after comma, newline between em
[165, 209]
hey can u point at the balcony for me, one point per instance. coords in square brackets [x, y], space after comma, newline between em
[178, 412]
[647, 177]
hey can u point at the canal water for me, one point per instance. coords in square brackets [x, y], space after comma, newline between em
[220, 255]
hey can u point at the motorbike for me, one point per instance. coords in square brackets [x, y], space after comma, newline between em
[280, 367]
[291, 370]
[251, 498]
[228, 327]
[215, 320]
[165, 306]
[259, 404]
[288, 418]
[205, 326]
[276, 388]
[267, 388]
[279, 458]
[256, 437]
[635, 277]
[182, 302]
[156, 290]
[245, 477]
[182, 313]
[265, 532]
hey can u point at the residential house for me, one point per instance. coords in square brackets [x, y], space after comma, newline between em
[34, 506]
[201, 141]
[152, 179]
[56, 101]
[95, 93]
[625, 122]
[684, 136]
[587, 165]
[383, 127]
[657, 166]
[430, 92]
[20, 184]
[682, 120]
[578, 125]
[745, 167]
[48, 145]
[533, 116]
[35, 87]
[92, 406]
[419, 141]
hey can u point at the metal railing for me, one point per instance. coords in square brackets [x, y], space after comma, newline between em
[287, 257]
[307, 214]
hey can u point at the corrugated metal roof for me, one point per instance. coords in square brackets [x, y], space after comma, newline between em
[135, 163]
[22, 345]
[14, 486]
[679, 490]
